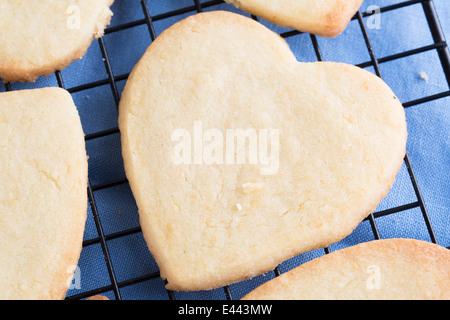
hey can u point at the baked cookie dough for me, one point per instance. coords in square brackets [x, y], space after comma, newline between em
[43, 198]
[331, 138]
[41, 36]
[391, 269]
[327, 18]
[98, 297]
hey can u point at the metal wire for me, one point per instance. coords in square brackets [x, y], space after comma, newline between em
[439, 45]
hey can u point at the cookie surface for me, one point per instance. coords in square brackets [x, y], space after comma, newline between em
[41, 36]
[392, 269]
[327, 18]
[43, 202]
[335, 138]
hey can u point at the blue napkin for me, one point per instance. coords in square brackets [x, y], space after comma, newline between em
[412, 77]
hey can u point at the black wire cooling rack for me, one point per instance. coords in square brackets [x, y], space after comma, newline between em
[439, 45]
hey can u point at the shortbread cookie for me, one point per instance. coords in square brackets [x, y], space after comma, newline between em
[98, 297]
[392, 269]
[41, 36]
[43, 198]
[327, 18]
[214, 209]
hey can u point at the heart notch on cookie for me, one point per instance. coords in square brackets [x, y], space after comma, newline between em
[342, 140]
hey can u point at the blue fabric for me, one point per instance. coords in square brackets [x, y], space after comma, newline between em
[428, 142]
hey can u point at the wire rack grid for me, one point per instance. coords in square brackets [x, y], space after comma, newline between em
[114, 287]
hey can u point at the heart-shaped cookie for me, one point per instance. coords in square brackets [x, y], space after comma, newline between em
[41, 36]
[43, 198]
[327, 18]
[240, 157]
[390, 269]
